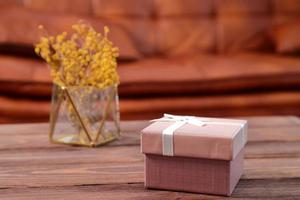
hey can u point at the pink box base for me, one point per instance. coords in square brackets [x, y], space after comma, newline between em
[207, 176]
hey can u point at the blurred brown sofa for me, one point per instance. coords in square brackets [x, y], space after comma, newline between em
[198, 57]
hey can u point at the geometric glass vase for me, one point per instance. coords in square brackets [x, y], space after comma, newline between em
[85, 116]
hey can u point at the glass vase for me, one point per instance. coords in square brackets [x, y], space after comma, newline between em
[85, 116]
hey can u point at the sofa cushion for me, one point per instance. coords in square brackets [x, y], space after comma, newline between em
[23, 70]
[182, 8]
[209, 74]
[286, 6]
[236, 33]
[62, 6]
[193, 75]
[142, 31]
[194, 35]
[251, 104]
[127, 8]
[207, 85]
[243, 7]
[24, 31]
[286, 37]
[24, 108]
[280, 103]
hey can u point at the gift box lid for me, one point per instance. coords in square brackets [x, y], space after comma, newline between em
[211, 138]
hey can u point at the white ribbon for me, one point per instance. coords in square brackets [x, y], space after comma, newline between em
[167, 134]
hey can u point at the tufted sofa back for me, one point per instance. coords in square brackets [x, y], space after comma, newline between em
[176, 27]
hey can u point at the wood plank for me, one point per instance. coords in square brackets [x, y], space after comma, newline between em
[40, 142]
[31, 166]
[135, 126]
[274, 168]
[253, 189]
[36, 135]
[267, 121]
[276, 133]
[116, 164]
[62, 174]
[37, 138]
[272, 149]
[107, 192]
[268, 189]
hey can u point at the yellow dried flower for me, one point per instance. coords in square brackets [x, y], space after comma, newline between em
[85, 58]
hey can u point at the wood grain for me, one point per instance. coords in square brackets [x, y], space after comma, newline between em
[32, 168]
[256, 189]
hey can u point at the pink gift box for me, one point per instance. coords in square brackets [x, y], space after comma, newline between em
[205, 159]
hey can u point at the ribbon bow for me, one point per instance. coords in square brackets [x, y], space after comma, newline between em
[167, 134]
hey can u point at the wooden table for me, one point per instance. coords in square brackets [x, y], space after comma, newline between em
[32, 168]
